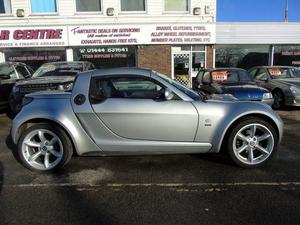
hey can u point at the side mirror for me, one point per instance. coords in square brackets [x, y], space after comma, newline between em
[169, 94]
[206, 79]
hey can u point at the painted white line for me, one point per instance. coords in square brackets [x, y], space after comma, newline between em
[119, 185]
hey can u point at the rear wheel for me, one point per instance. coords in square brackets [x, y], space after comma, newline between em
[44, 148]
[278, 99]
[252, 143]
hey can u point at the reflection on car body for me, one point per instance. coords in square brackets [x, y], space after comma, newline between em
[230, 81]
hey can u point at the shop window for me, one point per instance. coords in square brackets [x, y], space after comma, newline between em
[177, 5]
[5, 7]
[88, 6]
[35, 57]
[242, 56]
[287, 55]
[106, 57]
[133, 5]
[43, 6]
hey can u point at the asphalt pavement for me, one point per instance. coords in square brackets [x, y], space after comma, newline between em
[173, 189]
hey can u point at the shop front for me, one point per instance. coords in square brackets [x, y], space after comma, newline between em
[106, 56]
[35, 57]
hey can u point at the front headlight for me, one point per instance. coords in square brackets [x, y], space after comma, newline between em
[267, 95]
[295, 90]
[65, 87]
[15, 89]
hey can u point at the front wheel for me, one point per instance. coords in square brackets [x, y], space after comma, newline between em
[44, 148]
[252, 143]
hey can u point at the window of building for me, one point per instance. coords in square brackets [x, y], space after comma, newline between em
[43, 6]
[88, 6]
[133, 5]
[242, 56]
[5, 7]
[176, 5]
[287, 55]
[35, 57]
[106, 57]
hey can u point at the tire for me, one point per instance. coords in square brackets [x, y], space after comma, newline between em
[278, 99]
[253, 152]
[39, 143]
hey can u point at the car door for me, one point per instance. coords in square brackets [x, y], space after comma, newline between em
[134, 107]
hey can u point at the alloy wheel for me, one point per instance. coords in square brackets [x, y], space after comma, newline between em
[42, 149]
[253, 144]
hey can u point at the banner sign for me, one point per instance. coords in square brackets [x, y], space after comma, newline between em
[33, 37]
[141, 34]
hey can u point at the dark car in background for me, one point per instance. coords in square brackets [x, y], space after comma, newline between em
[231, 82]
[50, 76]
[10, 73]
[282, 81]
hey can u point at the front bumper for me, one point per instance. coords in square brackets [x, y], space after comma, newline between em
[292, 101]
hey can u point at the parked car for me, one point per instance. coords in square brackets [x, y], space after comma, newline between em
[10, 72]
[282, 81]
[229, 81]
[50, 76]
[125, 111]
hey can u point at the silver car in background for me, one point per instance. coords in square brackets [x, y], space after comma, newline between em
[133, 111]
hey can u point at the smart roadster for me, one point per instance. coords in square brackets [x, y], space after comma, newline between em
[134, 111]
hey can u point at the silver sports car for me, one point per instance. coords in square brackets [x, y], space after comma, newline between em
[126, 111]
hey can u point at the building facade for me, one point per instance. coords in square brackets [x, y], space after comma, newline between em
[245, 45]
[174, 37]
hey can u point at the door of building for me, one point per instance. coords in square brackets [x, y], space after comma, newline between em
[181, 67]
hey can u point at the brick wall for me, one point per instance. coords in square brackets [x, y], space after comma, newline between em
[209, 56]
[156, 57]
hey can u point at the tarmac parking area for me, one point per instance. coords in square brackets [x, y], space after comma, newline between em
[174, 189]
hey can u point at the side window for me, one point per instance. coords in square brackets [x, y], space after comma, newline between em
[252, 73]
[8, 71]
[126, 87]
[261, 74]
[22, 72]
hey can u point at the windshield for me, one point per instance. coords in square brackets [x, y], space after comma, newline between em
[58, 70]
[279, 73]
[194, 95]
[230, 76]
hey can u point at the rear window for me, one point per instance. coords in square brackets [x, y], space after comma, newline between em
[230, 76]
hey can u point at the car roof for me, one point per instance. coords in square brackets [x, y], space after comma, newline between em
[225, 68]
[123, 71]
[66, 62]
[13, 63]
[273, 67]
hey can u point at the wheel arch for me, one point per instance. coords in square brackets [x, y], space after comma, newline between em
[231, 126]
[34, 121]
